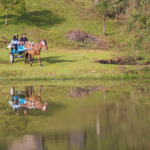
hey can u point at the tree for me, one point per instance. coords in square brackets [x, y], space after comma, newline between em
[117, 4]
[103, 7]
[14, 7]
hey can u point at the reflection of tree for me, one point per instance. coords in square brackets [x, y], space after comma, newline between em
[77, 139]
[32, 142]
[138, 93]
[98, 130]
[129, 130]
[105, 97]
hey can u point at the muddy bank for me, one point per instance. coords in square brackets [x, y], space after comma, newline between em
[122, 61]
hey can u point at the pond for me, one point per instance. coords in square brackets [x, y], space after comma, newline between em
[108, 115]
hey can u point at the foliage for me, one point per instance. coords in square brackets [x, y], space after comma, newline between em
[137, 25]
[14, 7]
[103, 7]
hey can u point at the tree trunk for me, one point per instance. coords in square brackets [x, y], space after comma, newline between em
[116, 13]
[122, 9]
[96, 2]
[6, 19]
[135, 3]
[104, 24]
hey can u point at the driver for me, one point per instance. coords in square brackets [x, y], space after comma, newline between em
[23, 39]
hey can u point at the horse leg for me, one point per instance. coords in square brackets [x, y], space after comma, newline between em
[25, 57]
[39, 93]
[33, 94]
[28, 57]
[39, 59]
[32, 59]
[26, 90]
[29, 93]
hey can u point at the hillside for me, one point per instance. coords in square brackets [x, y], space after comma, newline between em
[52, 20]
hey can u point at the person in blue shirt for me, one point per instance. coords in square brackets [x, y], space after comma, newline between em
[15, 41]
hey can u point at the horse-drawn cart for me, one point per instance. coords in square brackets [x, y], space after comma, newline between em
[29, 49]
[17, 53]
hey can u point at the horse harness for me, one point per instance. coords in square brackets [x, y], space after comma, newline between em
[31, 46]
[37, 47]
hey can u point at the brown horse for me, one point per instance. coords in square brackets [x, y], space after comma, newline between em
[35, 49]
[36, 101]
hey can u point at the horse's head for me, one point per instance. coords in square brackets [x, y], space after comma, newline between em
[45, 106]
[44, 44]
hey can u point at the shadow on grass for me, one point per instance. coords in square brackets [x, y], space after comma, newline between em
[4, 61]
[50, 60]
[43, 19]
[53, 60]
[112, 33]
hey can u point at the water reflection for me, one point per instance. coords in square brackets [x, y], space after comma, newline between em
[109, 118]
[77, 139]
[79, 92]
[26, 100]
[27, 142]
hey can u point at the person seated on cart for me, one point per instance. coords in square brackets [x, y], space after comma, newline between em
[15, 41]
[23, 106]
[23, 39]
[24, 109]
[16, 106]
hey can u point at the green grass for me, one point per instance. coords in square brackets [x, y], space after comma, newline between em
[67, 64]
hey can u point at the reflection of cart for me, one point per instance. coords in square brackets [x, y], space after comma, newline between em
[13, 92]
[17, 53]
[28, 99]
[20, 95]
[22, 101]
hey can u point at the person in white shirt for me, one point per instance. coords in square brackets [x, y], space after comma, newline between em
[15, 41]
[16, 106]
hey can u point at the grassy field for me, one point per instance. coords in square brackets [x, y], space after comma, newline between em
[52, 20]
[67, 64]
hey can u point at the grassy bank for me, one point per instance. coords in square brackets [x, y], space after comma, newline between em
[68, 64]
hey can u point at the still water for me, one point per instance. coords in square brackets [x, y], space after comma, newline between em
[108, 116]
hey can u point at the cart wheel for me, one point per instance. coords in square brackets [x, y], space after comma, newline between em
[11, 57]
[12, 91]
[29, 59]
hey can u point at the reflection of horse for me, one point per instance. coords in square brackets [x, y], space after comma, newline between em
[36, 49]
[35, 101]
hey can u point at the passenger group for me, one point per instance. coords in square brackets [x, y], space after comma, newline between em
[15, 42]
